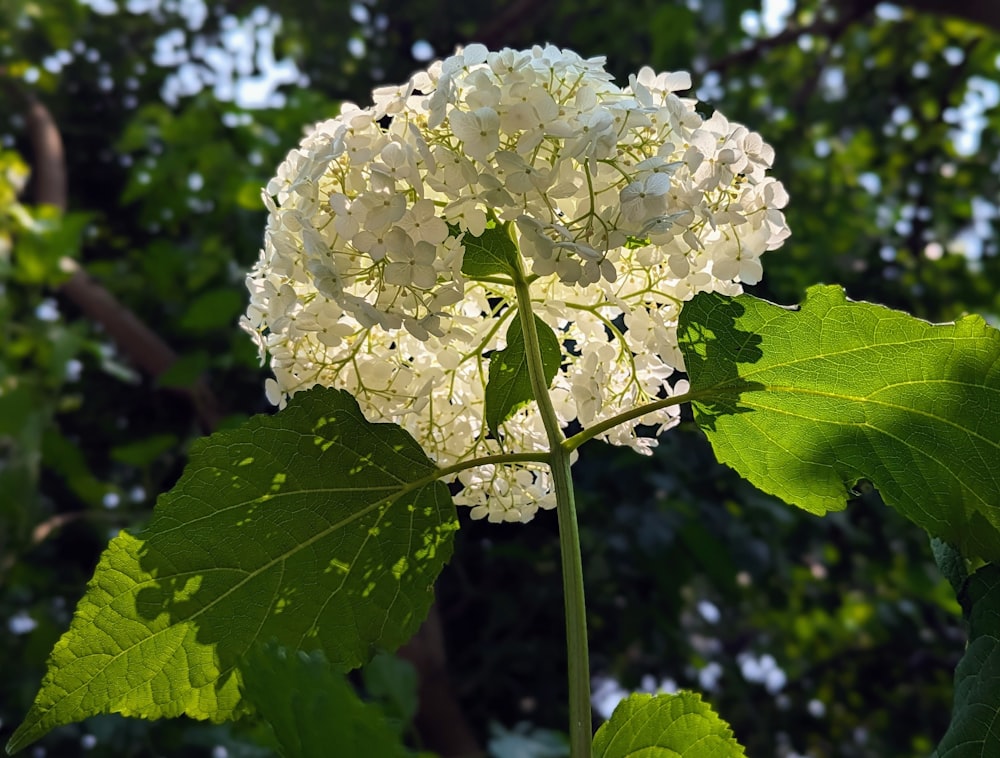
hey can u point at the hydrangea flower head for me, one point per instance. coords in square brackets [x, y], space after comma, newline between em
[623, 201]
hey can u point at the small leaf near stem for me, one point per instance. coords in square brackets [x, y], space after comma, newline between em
[509, 386]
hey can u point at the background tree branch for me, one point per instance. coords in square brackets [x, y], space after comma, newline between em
[850, 13]
[144, 347]
[985, 12]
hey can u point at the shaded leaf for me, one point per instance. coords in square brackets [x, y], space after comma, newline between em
[392, 681]
[66, 458]
[805, 403]
[680, 725]
[952, 565]
[509, 385]
[313, 527]
[185, 370]
[215, 309]
[973, 732]
[144, 451]
[313, 710]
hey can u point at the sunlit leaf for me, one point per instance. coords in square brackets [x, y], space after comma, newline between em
[52, 237]
[665, 726]
[491, 253]
[312, 527]
[805, 403]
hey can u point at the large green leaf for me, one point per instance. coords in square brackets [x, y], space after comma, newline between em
[804, 403]
[312, 708]
[312, 527]
[665, 726]
[973, 731]
[509, 385]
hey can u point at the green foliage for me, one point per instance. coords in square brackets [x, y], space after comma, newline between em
[973, 733]
[213, 310]
[806, 403]
[312, 527]
[663, 726]
[51, 237]
[491, 253]
[312, 708]
[860, 111]
[953, 566]
[509, 385]
[393, 682]
[35, 350]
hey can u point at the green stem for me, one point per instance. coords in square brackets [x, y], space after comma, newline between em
[499, 458]
[597, 429]
[580, 729]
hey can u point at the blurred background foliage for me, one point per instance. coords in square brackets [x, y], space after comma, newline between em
[818, 637]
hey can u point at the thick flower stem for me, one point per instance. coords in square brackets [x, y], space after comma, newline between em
[580, 729]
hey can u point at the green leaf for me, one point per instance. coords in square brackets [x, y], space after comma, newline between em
[66, 458]
[671, 726]
[215, 309]
[805, 403]
[509, 385]
[313, 527]
[312, 708]
[491, 253]
[52, 236]
[185, 370]
[248, 195]
[143, 452]
[972, 732]
[952, 565]
[393, 682]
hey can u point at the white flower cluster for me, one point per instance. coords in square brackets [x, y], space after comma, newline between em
[624, 201]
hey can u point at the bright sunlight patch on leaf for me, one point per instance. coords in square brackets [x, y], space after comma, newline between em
[313, 527]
